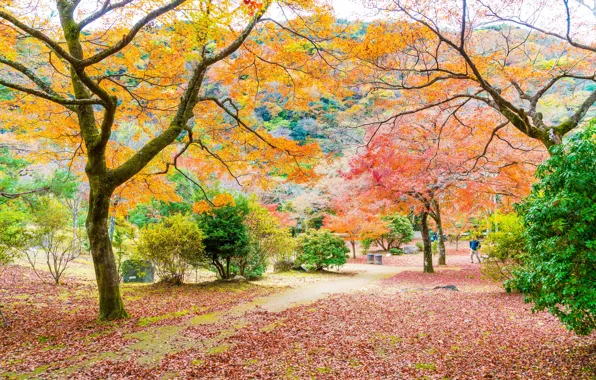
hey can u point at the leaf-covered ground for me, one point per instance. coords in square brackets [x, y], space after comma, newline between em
[54, 327]
[404, 329]
[398, 328]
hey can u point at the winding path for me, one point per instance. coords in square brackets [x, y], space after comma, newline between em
[367, 275]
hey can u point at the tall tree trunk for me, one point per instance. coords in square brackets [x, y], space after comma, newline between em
[353, 248]
[441, 240]
[106, 271]
[457, 242]
[428, 254]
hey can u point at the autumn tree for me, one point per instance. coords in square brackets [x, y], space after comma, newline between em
[422, 163]
[128, 87]
[470, 55]
[354, 224]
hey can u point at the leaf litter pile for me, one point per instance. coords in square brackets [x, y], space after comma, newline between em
[398, 328]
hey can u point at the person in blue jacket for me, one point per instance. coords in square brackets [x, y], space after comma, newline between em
[474, 246]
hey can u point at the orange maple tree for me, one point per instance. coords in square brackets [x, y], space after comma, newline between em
[129, 90]
[536, 77]
[354, 223]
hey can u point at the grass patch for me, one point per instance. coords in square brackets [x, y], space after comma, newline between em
[205, 319]
[272, 326]
[426, 366]
[150, 320]
[219, 349]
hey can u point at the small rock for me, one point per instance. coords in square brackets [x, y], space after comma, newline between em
[410, 249]
[447, 287]
[467, 321]
[239, 278]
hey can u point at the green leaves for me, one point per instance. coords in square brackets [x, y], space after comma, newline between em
[321, 250]
[172, 245]
[225, 234]
[559, 272]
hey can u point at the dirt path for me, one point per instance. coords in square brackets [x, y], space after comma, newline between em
[367, 275]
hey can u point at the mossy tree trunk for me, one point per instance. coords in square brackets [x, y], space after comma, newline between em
[106, 269]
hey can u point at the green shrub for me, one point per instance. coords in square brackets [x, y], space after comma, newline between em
[504, 246]
[13, 224]
[283, 265]
[268, 239]
[434, 246]
[321, 250]
[172, 245]
[366, 243]
[401, 231]
[557, 273]
[396, 251]
[420, 246]
[226, 237]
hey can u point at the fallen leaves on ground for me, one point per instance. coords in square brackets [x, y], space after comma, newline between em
[397, 329]
[388, 333]
[54, 327]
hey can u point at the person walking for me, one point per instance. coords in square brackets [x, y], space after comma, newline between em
[474, 246]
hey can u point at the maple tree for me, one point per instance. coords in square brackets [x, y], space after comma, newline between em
[127, 88]
[438, 162]
[354, 224]
[460, 54]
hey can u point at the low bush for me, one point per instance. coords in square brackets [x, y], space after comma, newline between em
[172, 246]
[283, 265]
[504, 247]
[396, 251]
[366, 243]
[420, 246]
[321, 250]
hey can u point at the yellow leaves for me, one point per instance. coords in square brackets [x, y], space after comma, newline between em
[201, 207]
[220, 200]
